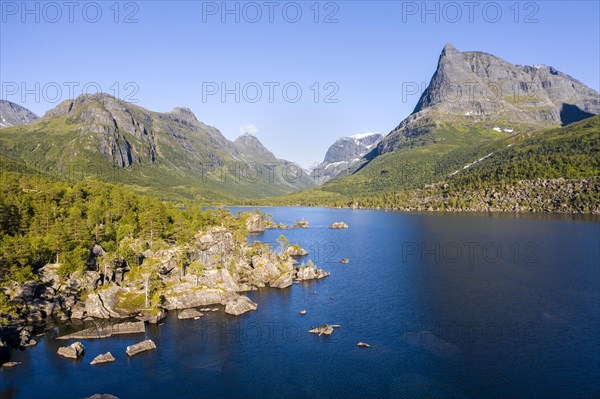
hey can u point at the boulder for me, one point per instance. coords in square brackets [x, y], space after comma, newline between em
[338, 225]
[106, 358]
[325, 329]
[189, 314]
[73, 351]
[239, 305]
[140, 347]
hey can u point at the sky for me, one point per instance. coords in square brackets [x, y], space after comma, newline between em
[297, 75]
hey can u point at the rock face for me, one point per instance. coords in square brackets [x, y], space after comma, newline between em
[239, 305]
[72, 351]
[343, 154]
[12, 114]
[107, 331]
[143, 346]
[105, 358]
[476, 88]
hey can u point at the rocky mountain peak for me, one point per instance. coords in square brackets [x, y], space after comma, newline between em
[184, 113]
[480, 89]
[12, 114]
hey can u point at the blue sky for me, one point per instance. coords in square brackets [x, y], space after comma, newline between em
[174, 53]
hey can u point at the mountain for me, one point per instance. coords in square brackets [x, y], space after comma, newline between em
[164, 154]
[250, 150]
[447, 132]
[479, 89]
[12, 114]
[345, 153]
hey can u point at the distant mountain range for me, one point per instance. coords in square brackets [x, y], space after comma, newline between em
[168, 153]
[343, 154]
[475, 109]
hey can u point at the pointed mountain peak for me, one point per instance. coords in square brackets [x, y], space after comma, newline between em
[449, 50]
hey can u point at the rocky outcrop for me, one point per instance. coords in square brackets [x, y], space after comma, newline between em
[189, 314]
[143, 346]
[105, 358]
[295, 250]
[239, 305]
[73, 351]
[192, 298]
[255, 223]
[310, 272]
[106, 331]
[285, 280]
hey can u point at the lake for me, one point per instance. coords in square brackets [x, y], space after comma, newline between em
[454, 306]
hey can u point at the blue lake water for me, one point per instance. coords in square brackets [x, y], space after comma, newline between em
[454, 306]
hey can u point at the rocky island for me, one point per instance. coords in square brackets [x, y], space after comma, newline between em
[215, 267]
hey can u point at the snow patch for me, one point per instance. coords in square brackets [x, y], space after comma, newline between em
[363, 135]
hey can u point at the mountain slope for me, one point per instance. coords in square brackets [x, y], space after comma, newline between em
[551, 170]
[343, 154]
[449, 129]
[12, 114]
[479, 89]
[160, 153]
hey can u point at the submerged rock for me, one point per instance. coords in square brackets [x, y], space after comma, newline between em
[106, 358]
[73, 351]
[240, 305]
[140, 347]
